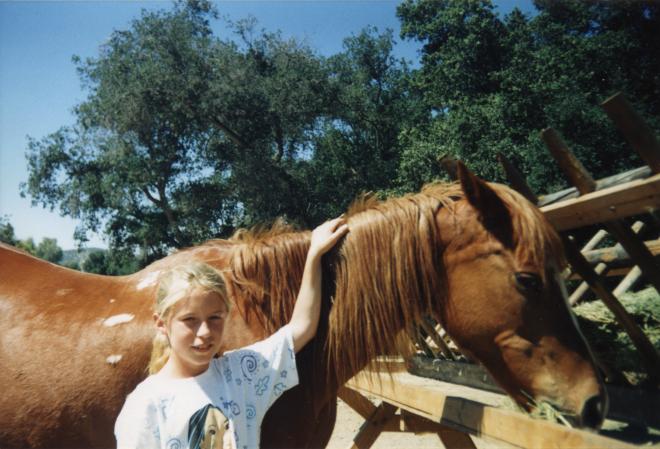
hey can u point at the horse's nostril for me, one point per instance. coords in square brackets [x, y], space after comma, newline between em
[593, 411]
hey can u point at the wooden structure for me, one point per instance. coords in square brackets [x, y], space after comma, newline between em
[455, 412]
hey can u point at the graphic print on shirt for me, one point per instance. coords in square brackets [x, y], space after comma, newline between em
[208, 429]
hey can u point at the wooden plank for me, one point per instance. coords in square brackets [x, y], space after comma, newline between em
[631, 405]
[452, 406]
[570, 165]
[616, 256]
[640, 136]
[604, 183]
[632, 198]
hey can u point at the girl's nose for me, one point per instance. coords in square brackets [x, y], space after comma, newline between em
[204, 330]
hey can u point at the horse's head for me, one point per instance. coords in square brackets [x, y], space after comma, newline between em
[506, 305]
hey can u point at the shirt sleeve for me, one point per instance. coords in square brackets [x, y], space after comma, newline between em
[266, 369]
[137, 426]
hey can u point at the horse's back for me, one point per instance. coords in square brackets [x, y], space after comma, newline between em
[73, 345]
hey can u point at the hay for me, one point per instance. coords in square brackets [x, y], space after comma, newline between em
[610, 342]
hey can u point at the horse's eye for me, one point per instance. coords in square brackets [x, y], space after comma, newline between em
[529, 282]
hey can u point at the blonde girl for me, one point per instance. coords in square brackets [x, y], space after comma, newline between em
[193, 399]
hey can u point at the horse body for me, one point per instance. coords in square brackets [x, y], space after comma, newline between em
[73, 345]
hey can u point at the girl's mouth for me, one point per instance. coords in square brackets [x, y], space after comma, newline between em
[202, 348]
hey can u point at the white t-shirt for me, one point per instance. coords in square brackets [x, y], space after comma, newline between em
[241, 385]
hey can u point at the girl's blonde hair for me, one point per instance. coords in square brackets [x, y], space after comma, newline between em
[174, 286]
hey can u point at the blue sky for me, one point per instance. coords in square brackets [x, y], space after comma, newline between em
[39, 85]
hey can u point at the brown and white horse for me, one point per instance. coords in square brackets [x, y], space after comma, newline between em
[476, 256]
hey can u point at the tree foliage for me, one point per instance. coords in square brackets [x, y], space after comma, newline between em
[494, 82]
[185, 136]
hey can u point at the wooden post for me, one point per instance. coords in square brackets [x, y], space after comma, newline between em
[373, 426]
[570, 165]
[516, 179]
[641, 138]
[627, 282]
[601, 268]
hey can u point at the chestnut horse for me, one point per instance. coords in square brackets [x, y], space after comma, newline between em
[476, 256]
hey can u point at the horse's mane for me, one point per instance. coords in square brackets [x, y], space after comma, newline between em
[388, 270]
[266, 269]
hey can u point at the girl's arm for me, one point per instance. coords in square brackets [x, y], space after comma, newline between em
[305, 318]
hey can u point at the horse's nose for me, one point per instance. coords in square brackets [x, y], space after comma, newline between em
[593, 411]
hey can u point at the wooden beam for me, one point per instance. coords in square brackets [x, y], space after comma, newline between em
[458, 407]
[627, 404]
[638, 251]
[632, 198]
[640, 136]
[363, 406]
[604, 183]
[617, 256]
[611, 273]
[571, 166]
[627, 282]
[373, 426]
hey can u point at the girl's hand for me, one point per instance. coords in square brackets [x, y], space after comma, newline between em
[325, 236]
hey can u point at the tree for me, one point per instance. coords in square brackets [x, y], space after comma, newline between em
[48, 250]
[95, 262]
[183, 136]
[134, 161]
[7, 232]
[494, 83]
[359, 149]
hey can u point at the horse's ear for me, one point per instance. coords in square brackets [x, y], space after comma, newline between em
[493, 213]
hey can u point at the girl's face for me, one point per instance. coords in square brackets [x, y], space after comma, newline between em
[194, 329]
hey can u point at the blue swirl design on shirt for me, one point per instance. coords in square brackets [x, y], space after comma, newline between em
[262, 386]
[265, 364]
[283, 374]
[250, 411]
[238, 381]
[227, 373]
[248, 366]
[174, 443]
[278, 389]
[232, 406]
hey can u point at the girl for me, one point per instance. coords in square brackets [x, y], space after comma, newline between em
[193, 400]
